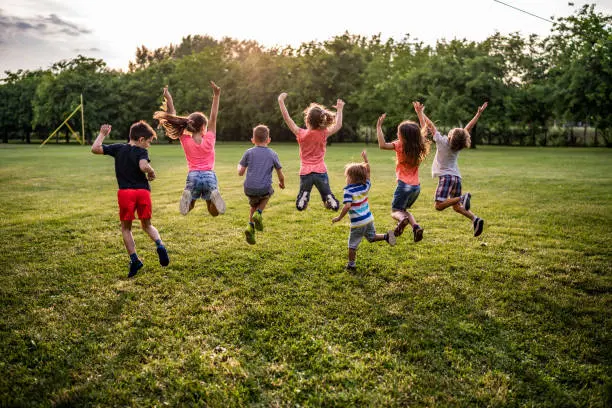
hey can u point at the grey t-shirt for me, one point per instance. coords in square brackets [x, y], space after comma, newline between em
[259, 161]
[445, 162]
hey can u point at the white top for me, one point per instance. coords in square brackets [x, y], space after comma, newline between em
[445, 162]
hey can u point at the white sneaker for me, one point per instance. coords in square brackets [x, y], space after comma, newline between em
[185, 203]
[331, 203]
[217, 201]
[302, 201]
[391, 237]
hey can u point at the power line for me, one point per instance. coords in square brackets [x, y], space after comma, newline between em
[526, 12]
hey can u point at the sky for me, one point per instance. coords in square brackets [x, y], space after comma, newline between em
[37, 33]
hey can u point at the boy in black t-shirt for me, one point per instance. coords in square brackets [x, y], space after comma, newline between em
[133, 173]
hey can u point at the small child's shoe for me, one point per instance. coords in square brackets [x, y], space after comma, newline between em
[162, 253]
[390, 237]
[465, 201]
[417, 232]
[351, 268]
[478, 226]
[249, 234]
[399, 230]
[135, 267]
[302, 201]
[185, 203]
[258, 220]
[331, 203]
[217, 201]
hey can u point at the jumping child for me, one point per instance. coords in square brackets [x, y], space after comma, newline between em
[260, 161]
[356, 205]
[411, 148]
[312, 141]
[133, 173]
[448, 192]
[197, 135]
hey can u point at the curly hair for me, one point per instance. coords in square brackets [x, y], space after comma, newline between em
[176, 125]
[357, 172]
[317, 117]
[459, 138]
[415, 146]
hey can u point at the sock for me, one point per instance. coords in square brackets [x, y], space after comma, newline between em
[415, 227]
[387, 236]
[259, 211]
[159, 243]
[351, 263]
[252, 224]
[133, 257]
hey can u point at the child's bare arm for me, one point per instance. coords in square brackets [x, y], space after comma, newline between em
[381, 136]
[430, 125]
[338, 124]
[169, 102]
[343, 212]
[146, 168]
[476, 117]
[241, 170]
[418, 108]
[212, 120]
[96, 148]
[290, 123]
[281, 178]
[366, 164]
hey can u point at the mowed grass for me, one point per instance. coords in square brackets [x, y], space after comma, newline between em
[520, 316]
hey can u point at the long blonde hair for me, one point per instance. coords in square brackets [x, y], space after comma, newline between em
[175, 126]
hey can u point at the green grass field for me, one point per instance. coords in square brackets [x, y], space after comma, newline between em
[520, 316]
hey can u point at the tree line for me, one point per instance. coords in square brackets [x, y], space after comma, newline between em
[555, 90]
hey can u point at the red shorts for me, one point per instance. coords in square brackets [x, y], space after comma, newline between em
[131, 200]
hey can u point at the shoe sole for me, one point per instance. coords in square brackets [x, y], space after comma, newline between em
[162, 253]
[131, 274]
[258, 222]
[302, 202]
[479, 227]
[418, 235]
[217, 201]
[392, 239]
[399, 230]
[250, 238]
[467, 203]
[185, 202]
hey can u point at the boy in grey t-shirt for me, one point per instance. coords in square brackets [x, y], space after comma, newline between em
[260, 160]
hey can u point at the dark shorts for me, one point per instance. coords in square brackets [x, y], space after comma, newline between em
[404, 196]
[319, 180]
[256, 196]
[138, 200]
[448, 187]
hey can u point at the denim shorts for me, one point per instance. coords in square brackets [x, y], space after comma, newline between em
[448, 187]
[201, 184]
[404, 196]
[319, 180]
[368, 231]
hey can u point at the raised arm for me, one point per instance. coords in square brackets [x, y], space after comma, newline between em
[212, 120]
[366, 164]
[338, 124]
[96, 148]
[418, 108]
[169, 102]
[290, 123]
[476, 117]
[381, 136]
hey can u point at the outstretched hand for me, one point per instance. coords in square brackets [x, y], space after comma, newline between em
[339, 104]
[418, 107]
[282, 97]
[216, 89]
[364, 154]
[167, 93]
[381, 119]
[105, 130]
[483, 107]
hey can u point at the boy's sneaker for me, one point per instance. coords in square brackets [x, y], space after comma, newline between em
[351, 268]
[399, 230]
[185, 203]
[249, 234]
[390, 238]
[217, 201]
[134, 267]
[478, 226]
[302, 201]
[164, 260]
[331, 203]
[258, 220]
[465, 201]
[417, 232]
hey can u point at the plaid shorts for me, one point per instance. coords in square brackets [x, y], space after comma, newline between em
[448, 187]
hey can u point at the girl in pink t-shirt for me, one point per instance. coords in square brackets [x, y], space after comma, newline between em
[197, 135]
[411, 147]
[320, 125]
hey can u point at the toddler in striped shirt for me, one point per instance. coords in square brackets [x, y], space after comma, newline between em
[356, 205]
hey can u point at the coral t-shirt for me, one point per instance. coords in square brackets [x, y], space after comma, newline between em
[403, 171]
[313, 143]
[201, 156]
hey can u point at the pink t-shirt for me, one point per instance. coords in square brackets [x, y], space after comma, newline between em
[313, 143]
[199, 156]
[403, 171]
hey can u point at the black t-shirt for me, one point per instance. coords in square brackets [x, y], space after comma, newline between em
[127, 167]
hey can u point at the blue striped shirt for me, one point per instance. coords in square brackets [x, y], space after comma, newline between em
[357, 196]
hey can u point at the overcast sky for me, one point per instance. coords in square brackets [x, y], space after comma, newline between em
[36, 33]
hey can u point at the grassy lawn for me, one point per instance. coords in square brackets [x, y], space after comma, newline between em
[520, 316]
